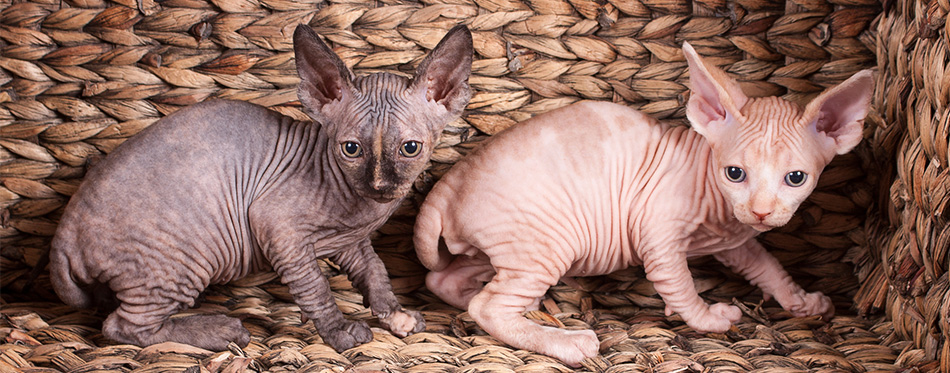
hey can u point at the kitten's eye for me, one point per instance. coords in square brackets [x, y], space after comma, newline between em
[351, 149]
[735, 174]
[795, 178]
[410, 149]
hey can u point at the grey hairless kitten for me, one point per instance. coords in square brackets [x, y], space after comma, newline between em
[222, 189]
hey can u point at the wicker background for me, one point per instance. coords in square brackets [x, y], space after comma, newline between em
[907, 269]
[78, 77]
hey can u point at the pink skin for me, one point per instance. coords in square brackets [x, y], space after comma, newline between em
[596, 187]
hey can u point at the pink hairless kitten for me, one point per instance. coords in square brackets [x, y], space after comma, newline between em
[596, 187]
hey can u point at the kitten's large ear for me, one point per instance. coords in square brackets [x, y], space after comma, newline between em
[323, 76]
[837, 115]
[443, 75]
[713, 95]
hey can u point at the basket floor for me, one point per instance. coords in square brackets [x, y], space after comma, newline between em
[50, 336]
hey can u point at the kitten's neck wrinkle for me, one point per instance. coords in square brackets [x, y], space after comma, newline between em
[327, 171]
[303, 150]
[709, 195]
[289, 155]
[710, 190]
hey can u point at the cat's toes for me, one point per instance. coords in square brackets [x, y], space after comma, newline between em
[813, 304]
[719, 318]
[573, 346]
[404, 322]
[237, 333]
[728, 311]
[349, 335]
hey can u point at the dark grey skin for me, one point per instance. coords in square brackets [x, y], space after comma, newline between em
[222, 189]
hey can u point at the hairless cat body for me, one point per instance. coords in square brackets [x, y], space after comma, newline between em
[593, 188]
[222, 189]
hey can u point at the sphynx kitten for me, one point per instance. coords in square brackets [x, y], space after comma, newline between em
[222, 189]
[596, 187]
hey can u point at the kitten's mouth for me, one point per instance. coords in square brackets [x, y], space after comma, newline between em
[383, 197]
[761, 225]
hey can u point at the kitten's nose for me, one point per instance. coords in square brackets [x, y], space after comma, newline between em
[382, 186]
[761, 215]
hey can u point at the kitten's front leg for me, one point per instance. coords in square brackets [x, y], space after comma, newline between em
[667, 269]
[298, 268]
[754, 263]
[368, 274]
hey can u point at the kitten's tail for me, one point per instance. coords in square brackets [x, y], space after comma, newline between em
[431, 251]
[60, 274]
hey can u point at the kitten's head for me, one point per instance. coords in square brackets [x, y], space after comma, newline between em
[769, 152]
[383, 127]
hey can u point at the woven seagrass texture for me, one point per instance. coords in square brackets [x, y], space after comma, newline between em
[53, 337]
[78, 77]
[907, 273]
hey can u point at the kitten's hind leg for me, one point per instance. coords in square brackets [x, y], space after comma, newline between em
[499, 309]
[150, 323]
[461, 280]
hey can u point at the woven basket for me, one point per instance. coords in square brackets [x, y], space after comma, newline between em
[78, 77]
[906, 270]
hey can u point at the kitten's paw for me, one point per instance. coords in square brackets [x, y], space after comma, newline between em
[728, 311]
[404, 322]
[234, 331]
[348, 335]
[210, 332]
[813, 304]
[572, 346]
[719, 319]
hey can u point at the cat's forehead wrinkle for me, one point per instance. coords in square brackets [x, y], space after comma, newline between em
[770, 128]
[771, 122]
[771, 112]
[381, 83]
[382, 98]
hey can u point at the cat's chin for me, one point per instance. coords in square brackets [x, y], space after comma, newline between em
[761, 227]
[383, 199]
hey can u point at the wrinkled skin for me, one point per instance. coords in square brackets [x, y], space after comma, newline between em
[597, 187]
[222, 189]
